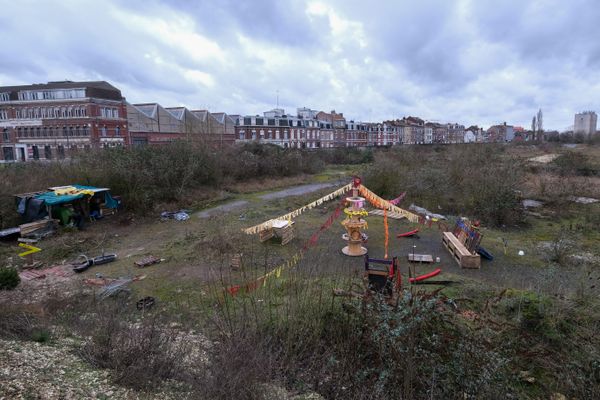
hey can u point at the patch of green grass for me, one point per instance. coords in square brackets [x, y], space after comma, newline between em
[41, 335]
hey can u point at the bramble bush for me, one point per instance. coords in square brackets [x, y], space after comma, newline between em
[9, 278]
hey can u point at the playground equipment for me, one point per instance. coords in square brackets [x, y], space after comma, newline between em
[354, 223]
[463, 242]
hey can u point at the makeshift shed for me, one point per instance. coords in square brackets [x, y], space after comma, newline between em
[38, 205]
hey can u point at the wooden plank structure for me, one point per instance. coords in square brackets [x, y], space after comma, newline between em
[266, 234]
[287, 234]
[283, 229]
[420, 258]
[26, 229]
[236, 261]
[390, 214]
[460, 253]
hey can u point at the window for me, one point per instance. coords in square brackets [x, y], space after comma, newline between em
[83, 112]
[247, 121]
[48, 152]
[71, 131]
[4, 97]
[117, 131]
[77, 130]
[260, 121]
[104, 130]
[19, 132]
[271, 122]
[5, 135]
[36, 152]
[283, 122]
[61, 151]
[242, 136]
[86, 130]
[38, 132]
[9, 153]
[3, 114]
[65, 131]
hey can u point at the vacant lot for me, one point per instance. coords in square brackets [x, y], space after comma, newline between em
[523, 326]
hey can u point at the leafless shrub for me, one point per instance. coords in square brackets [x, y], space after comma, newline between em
[140, 355]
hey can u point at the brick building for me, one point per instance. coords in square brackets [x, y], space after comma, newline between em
[333, 129]
[51, 120]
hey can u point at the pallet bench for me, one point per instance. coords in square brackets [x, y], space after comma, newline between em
[460, 253]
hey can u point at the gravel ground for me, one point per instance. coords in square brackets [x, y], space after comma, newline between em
[30, 370]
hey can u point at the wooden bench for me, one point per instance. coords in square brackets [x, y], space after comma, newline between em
[459, 252]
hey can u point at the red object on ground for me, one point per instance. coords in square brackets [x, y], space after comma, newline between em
[426, 276]
[407, 234]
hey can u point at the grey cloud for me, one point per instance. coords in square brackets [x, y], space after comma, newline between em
[471, 61]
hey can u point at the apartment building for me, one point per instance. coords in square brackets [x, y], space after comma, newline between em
[52, 120]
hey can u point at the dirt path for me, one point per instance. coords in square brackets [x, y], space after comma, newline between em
[223, 208]
[279, 194]
[296, 191]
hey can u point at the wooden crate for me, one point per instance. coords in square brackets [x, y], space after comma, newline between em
[286, 234]
[265, 235]
[459, 252]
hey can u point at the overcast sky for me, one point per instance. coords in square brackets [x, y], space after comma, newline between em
[469, 61]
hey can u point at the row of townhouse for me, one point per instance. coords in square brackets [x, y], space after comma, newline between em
[317, 129]
[56, 119]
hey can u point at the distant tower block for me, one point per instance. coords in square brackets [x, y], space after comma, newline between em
[354, 224]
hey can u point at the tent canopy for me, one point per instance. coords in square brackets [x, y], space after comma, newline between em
[52, 199]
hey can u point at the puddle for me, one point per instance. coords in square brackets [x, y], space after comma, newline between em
[545, 159]
[583, 200]
[529, 203]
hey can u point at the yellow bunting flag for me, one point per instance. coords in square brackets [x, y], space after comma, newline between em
[269, 224]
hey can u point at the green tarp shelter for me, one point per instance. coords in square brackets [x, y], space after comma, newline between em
[51, 199]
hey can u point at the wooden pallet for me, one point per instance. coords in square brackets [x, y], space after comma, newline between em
[390, 214]
[459, 252]
[266, 234]
[236, 261]
[34, 226]
[420, 258]
[286, 234]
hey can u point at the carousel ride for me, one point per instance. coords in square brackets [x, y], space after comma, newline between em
[354, 224]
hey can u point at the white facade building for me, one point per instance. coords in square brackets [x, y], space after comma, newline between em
[585, 123]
